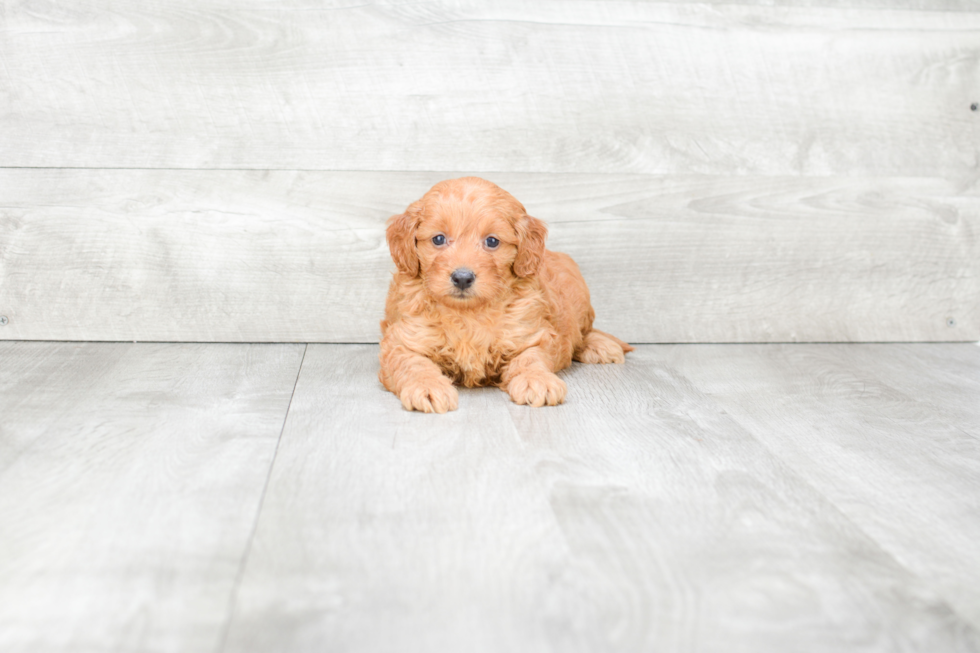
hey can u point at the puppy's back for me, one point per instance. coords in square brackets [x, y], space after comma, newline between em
[568, 295]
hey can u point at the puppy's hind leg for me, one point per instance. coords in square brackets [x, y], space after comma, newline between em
[600, 347]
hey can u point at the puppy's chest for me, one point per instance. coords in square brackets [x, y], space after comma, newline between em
[474, 350]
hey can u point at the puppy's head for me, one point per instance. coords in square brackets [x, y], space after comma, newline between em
[468, 240]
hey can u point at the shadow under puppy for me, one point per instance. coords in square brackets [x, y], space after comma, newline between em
[478, 300]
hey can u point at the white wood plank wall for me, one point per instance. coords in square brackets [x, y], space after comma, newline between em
[185, 170]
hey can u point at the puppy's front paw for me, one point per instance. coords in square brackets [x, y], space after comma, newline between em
[430, 395]
[537, 389]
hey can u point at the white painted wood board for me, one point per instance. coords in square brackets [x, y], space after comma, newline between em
[638, 516]
[300, 256]
[889, 434]
[130, 481]
[842, 88]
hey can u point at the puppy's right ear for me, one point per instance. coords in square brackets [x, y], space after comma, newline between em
[400, 233]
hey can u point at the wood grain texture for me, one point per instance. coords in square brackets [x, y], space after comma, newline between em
[300, 256]
[130, 480]
[890, 434]
[637, 517]
[846, 88]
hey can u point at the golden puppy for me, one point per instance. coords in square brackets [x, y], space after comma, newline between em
[478, 300]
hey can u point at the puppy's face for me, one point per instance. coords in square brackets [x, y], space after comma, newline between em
[468, 240]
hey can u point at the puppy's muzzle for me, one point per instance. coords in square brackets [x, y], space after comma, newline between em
[463, 278]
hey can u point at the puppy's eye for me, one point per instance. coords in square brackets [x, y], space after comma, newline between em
[439, 240]
[491, 242]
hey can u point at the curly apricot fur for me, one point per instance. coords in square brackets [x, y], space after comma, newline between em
[526, 316]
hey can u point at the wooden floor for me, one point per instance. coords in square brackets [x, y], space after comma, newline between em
[216, 497]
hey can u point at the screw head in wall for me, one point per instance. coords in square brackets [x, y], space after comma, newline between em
[950, 322]
[975, 106]
[3, 320]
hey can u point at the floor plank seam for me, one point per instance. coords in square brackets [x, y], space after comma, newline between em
[885, 551]
[233, 597]
[801, 478]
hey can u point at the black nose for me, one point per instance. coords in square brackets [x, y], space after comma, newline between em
[463, 278]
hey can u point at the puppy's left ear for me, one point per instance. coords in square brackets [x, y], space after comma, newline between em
[400, 233]
[531, 234]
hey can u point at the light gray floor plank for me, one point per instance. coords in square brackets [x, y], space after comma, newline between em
[847, 88]
[639, 516]
[32, 403]
[300, 256]
[943, 379]
[130, 478]
[890, 434]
